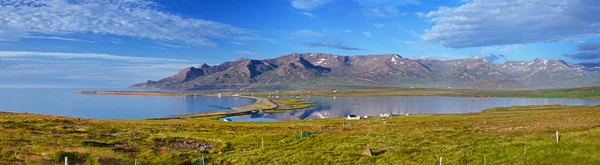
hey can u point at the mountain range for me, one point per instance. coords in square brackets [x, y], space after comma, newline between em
[320, 70]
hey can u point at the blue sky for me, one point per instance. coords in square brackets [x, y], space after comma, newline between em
[115, 43]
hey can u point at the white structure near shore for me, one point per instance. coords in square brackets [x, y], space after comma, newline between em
[352, 117]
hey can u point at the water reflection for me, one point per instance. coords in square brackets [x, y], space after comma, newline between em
[65, 102]
[327, 107]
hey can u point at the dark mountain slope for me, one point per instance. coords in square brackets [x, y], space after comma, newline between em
[314, 70]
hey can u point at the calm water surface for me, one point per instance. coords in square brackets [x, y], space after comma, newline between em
[327, 107]
[65, 102]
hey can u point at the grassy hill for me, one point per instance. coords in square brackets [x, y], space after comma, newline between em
[501, 134]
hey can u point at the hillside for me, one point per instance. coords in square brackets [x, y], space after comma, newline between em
[501, 134]
[318, 70]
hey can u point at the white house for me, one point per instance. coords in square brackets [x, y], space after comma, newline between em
[352, 117]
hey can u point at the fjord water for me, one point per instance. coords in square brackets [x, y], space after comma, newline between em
[65, 102]
[327, 107]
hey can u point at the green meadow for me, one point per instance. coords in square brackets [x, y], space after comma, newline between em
[509, 135]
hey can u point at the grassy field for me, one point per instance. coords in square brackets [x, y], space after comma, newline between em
[289, 104]
[515, 135]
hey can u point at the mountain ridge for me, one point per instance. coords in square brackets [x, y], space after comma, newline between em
[315, 70]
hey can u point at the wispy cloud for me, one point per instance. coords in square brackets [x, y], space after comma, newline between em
[308, 14]
[585, 55]
[86, 55]
[58, 38]
[586, 51]
[348, 31]
[10, 33]
[588, 46]
[248, 52]
[174, 46]
[307, 33]
[156, 47]
[386, 11]
[88, 76]
[384, 8]
[412, 45]
[309, 4]
[133, 18]
[413, 33]
[332, 44]
[379, 25]
[368, 34]
[488, 23]
[116, 41]
[84, 71]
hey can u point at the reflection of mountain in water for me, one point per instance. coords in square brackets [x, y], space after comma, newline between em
[317, 111]
[327, 107]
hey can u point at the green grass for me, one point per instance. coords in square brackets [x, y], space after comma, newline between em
[499, 133]
[289, 104]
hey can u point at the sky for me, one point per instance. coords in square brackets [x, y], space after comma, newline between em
[116, 43]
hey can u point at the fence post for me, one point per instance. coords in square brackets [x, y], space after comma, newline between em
[525, 149]
[556, 136]
[440, 160]
[66, 161]
[262, 143]
[136, 161]
[484, 160]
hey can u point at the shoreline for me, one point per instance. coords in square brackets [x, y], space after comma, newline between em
[580, 92]
[263, 104]
[259, 104]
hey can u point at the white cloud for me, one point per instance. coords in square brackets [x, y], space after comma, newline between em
[58, 38]
[348, 31]
[371, 3]
[308, 4]
[488, 23]
[441, 56]
[88, 76]
[386, 11]
[307, 33]
[368, 34]
[412, 45]
[332, 44]
[9, 33]
[379, 25]
[86, 55]
[420, 14]
[413, 33]
[132, 18]
[91, 70]
[308, 14]
[116, 41]
[247, 52]
[156, 66]
[156, 47]
[174, 46]
[502, 49]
